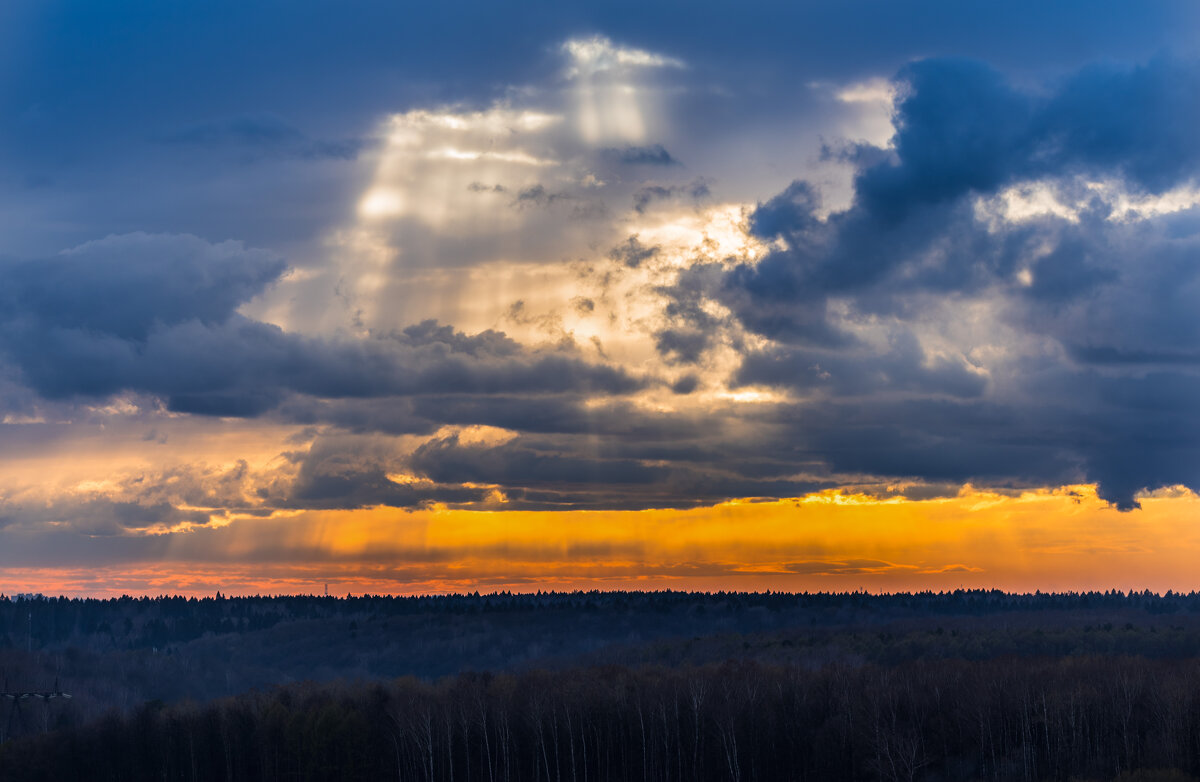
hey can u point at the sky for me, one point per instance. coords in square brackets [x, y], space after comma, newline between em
[477, 296]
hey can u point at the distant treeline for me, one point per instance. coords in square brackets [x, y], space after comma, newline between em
[144, 622]
[1000, 719]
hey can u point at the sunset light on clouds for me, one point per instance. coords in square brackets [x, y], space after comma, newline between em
[783, 301]
[1058, 540]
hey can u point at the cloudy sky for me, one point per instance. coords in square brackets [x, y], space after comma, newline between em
[867, 294]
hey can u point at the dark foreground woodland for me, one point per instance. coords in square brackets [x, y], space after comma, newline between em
[1005, 719]
[629, 686]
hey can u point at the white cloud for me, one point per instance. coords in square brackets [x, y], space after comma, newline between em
[1068, 199]
[598, 53]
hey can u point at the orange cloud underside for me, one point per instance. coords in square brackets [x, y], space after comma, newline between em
[1065, 539]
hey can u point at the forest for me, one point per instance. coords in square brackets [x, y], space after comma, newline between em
[606, 686]
[1003, 719]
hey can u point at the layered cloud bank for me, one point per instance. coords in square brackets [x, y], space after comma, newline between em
[620, 279]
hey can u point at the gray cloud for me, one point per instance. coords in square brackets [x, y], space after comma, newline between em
[1115, 294]
[633, 253]
[157, 315]
[859, 371]
[653, 155]
[353, 473]
[647, 195]
[101, 517]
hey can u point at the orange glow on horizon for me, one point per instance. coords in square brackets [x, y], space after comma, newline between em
[1062, 539]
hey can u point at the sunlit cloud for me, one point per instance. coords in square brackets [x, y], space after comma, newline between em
[598, 53]
[609, 88]
[1070, 200]
[882, 91]
[470, 213]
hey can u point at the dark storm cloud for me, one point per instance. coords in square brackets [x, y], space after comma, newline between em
[569, 454]
[1110, 292]
[682, 346]
[653, 155]
[343, 474]
[125, 286]
[548, 473]
[565, 413]
[244, 368]
[939, 440]
[444, 459]
[691, 329]
[384, 414]
[686, 384]
[582, 456]
[851, 373]
[156, 315]
[963, 130]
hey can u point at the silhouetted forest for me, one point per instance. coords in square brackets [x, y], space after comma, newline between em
[1004, 719]
[606, 686]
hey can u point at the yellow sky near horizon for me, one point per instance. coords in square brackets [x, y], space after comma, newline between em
[1054, 540]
